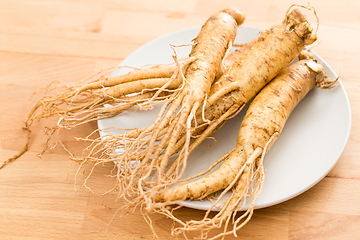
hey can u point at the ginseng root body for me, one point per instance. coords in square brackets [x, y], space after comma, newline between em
[154, 144]
[272, 51]
[189, 119]
[243, 169]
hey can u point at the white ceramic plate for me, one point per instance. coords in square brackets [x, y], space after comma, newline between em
[311, 143]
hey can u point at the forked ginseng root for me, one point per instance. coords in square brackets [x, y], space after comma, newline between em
[144, 161]
[243, 170]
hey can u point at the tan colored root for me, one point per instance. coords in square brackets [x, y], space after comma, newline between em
[222, 218]
[95, 112]
[24, 150]
[87, 101]
[85, 112]
[152, 146]
[156, 129]
[151, 165]
[248, 186]
[186, 104]
[95, 82]
[294, 89]
[159, 71]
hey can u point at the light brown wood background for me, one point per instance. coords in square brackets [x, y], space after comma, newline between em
[64, 40]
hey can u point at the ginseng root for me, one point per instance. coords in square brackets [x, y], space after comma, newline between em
[102, 97]
[274, 49]
[243, 171]
[178, 114]
[145, 160]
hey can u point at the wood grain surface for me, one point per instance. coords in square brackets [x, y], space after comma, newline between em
[64, 40]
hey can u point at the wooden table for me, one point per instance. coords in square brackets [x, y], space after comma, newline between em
[55, 40]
